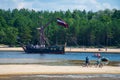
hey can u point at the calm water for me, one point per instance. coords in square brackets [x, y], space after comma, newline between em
[83, 76]
[66, 77]
[21, 57]
[66, 56]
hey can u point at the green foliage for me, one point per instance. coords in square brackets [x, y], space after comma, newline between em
[11, 34]
[85, 28]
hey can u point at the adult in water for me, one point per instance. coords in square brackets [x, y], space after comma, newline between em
[87, 62]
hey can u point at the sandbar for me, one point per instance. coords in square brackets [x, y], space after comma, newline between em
[30, 69]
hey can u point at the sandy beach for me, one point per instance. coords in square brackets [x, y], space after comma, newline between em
[69, 49]
[11, 49]
[45, 72]
[108, 50]
[31, 69]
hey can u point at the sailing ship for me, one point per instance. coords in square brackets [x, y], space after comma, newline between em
[42, 48]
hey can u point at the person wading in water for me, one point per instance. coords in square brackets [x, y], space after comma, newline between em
[87, 62]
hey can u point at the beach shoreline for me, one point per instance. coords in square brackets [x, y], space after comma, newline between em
[69, 49]
[33, 69]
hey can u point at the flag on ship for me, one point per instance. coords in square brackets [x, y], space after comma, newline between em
[62, 23]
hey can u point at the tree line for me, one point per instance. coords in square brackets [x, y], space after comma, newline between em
[86, 28]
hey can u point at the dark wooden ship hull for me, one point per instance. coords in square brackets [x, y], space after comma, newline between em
[45, 50]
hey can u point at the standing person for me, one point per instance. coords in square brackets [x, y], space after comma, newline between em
[98, 62]
[87, 62]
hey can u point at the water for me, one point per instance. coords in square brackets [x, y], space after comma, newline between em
[77, 76]
[20, 57]
[66, 56]
[65, 77]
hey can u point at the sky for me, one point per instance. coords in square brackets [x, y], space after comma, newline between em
[57, 5]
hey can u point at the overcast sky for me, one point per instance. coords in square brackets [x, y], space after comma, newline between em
[56, 5]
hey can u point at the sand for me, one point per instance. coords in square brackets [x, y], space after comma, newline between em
[22, 69]
[108, 50]
[68, 49]
[11, 49]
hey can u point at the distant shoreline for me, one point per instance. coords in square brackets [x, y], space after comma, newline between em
[94, 50]
[11, 49]
[69, 49]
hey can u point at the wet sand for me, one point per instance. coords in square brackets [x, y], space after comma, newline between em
[40, 78]
[63, 77]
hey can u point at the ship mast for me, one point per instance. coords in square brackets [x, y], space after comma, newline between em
[42, 36]
[43, 39]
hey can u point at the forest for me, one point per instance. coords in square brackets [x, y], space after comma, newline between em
[86, 28]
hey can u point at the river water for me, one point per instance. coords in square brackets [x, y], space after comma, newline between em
[22, 57]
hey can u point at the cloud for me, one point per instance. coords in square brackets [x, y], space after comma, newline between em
[23, 4]
[53, 5]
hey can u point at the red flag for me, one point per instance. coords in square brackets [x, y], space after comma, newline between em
[61, 22]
